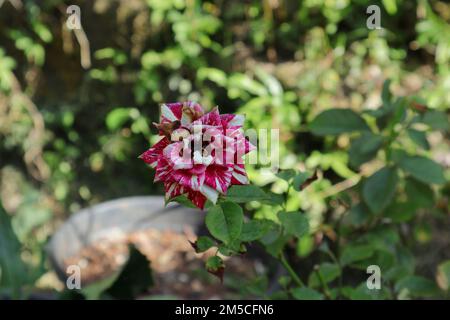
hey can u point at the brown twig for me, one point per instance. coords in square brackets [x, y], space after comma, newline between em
[33, 154]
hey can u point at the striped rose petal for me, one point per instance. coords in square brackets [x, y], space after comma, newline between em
[239, 175]
[197, 198]
[170, 112]
[173, 189]
[151, 155]
[190, 178]
[232, 120]
[201, 154]
[211, 118]
[219, 177]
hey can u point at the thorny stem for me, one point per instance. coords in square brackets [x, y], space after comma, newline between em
[291, 271]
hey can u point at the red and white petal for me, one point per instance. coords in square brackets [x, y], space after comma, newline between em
[173, 189]
[209, 193]
[151, 155]
[232, 120]
[171, 112]
[178, 154]
[243, 145]
[211, 118]
[219, 177]
[197, 198]
[163, 170]
[188, 179]
[239, 175]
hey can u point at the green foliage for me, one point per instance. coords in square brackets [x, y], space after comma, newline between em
[203, 243]
[182, 199]
[364, 148]
[325, 273]
[13, 271]
[337, 121]
[294, 223]
[306, 294]
[379, 189]
[353, 253]
[363, 181]
[423, 169]
[224, 221]
[245, 193]
[254, 230]
[416, 286]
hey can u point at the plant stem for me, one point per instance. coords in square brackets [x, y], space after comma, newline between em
[325, 288]
[286, 196]
[291, 271]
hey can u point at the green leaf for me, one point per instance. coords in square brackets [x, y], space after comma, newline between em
[436, 120]
[328, 271]
[27, 218]
[423, 169]
[134, 279]
[399, 112]
[234, 247]
[246, 193]
[13, 271]
[364, 148]
[286, 175]
[224, 221]
[150, 59]
[419, 138]
[299, 179]
[294, 223]
[275, 247]
[416, 286]
[359, 214]
[395, 114]
[419, 194]
[254, 230]
[183, 200]
[443, 275]
[305, 246]
[353, 253]
[304, 179]
[43, 32]
[390, 6]
[214, 263]
[386, 95]
[255, 286]
[401, 211]
[274, 198]
[117, 117]
[94, 290]
[379, 189]
[337, 121]
[203, 243]
[215, 75]
[215, 266]
[306, 294]
[245, 83]
[361, 292]
[272, 83]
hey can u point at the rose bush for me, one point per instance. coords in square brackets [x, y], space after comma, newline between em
[211, 174]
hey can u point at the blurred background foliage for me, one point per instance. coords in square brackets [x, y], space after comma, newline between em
[74, 115]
